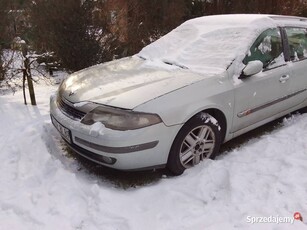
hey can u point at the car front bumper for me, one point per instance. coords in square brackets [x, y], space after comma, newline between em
[125, 150]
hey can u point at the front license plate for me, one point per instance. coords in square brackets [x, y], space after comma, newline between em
[65, 133]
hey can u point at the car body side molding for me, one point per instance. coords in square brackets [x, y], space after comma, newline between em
[253, 110]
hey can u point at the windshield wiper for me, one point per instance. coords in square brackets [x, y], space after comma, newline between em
[167, 62]
[142, 57]
[172, 63]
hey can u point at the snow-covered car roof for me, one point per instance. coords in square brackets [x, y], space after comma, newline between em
[211, 43]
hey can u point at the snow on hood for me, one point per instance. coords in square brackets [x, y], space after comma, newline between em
[126, 83]
[211, 41]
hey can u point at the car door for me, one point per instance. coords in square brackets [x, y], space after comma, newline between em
[297, 48]
[263, 95]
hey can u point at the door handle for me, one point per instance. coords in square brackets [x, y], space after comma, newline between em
[284, 78]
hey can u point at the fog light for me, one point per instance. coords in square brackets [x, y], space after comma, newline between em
[107, 160]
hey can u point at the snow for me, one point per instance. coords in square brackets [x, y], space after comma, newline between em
[126, 83]
[208, 44]
[80, 104]
[13, 61]
[42, 188]
[96, 129]
[206, 118]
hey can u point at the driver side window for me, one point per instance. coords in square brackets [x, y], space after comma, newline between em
[267, 48]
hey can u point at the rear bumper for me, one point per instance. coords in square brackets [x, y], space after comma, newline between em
[125, 150]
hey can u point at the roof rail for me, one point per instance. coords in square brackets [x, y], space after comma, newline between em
[280, 17]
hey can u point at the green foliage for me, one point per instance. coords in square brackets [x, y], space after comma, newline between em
[83, 34]
[150, 19]
[3, 19]
[195, 8]
[65, 26]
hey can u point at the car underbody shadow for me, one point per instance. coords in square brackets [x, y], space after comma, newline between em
[120, 179]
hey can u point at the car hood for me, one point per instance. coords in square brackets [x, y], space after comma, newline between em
[126, 83]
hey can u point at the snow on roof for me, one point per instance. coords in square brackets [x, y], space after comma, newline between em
[228, 19]
[210, 43]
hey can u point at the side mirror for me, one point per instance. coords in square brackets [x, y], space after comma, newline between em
[252, 68]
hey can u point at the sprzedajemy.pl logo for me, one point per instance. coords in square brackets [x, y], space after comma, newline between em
[274, 219]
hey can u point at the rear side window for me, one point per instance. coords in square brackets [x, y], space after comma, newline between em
[267, 48]
[297, 38]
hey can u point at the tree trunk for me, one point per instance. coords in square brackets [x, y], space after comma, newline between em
[29, 80]
[31, 89]
[27, 73]
[24, 86]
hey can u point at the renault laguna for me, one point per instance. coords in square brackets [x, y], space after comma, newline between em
[175, 102]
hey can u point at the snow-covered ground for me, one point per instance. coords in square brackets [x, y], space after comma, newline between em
[42, 188]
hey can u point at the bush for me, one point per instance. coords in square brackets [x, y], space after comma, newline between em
[65, 27]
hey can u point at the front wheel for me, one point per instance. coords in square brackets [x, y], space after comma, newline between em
[199, 139]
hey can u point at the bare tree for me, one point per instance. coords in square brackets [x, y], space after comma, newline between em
[3, 22]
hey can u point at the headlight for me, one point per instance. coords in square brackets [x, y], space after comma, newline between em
[120, 119]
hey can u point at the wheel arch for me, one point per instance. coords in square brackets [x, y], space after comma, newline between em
[218, 115]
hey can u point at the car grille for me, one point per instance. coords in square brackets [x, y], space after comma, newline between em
[69, 110]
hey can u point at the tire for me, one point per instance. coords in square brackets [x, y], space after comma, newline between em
[200, 138]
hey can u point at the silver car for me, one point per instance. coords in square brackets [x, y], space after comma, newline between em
[174, 103]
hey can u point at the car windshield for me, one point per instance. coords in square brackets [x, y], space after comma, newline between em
[200, 46]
